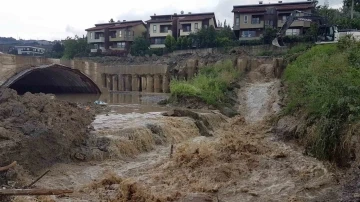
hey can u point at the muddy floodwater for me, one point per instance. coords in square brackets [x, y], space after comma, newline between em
[122, 102]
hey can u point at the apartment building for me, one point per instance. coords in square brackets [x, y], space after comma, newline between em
[250, 21]
[115, 36]
[28, 50]
[159, 26]
[177, 25]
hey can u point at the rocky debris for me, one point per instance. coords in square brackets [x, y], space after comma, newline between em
[38, 131]
[205, 121]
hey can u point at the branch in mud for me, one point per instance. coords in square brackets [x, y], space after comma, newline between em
[5, 168]
[37, 179]
[13, 192]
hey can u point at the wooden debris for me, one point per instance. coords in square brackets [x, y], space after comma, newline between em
[5, 168]
[37, 179]
[171, 151]
[16, 192]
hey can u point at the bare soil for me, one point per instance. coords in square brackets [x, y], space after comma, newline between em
[38, 131]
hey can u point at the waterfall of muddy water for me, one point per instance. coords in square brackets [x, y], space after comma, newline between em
[259, 97]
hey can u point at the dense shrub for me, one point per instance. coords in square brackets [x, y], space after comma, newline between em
[210, 85]
[323, 84]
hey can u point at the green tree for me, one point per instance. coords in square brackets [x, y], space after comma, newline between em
[170, 43]
[189, 42]
[57, 51]
[185, 44]
[140, 46]
[179, 43]
[269, 35]
[111, 20]
[76, 47]
[348, 3]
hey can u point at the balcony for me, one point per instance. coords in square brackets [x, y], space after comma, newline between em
[185, 32]
[251, 24]
[236, 27]
[117, 48]
[96, 40]
[94, 50]
[122, 38]
[161, 33]
[294, 24]
[157, 46]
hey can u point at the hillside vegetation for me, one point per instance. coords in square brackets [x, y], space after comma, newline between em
[323, 84]
[210, 85]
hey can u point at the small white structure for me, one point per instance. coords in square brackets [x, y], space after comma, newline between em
[29, 50]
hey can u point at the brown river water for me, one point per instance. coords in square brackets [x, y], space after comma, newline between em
[122, 102]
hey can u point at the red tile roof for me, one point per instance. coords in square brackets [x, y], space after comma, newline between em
[123, 25]
[116, 25]
[150, 21]
[98, 28]
[196, 17]
[279, 6]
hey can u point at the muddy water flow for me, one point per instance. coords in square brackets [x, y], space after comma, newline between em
[243, 161]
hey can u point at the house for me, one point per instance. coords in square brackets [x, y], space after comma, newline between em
[250, 21]
[28, 50]
[177, 25]
[117, 36]
[191, 23]
[159, 26]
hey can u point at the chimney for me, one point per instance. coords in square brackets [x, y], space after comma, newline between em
[260, 2]
[279, 2]
[154, 14]
[175, 14]
[124, 20]
[182, 12]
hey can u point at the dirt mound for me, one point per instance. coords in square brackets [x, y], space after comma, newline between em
[37, 131]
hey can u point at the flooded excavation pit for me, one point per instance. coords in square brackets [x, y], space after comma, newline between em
[55, 79]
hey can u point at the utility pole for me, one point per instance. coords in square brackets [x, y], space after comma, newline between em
[352, 9]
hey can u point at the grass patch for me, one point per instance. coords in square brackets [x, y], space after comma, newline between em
[210, 85]
[324, 84]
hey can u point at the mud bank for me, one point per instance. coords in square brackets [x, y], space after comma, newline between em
[37, 131]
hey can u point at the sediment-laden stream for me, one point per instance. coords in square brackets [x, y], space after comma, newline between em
[242, 161]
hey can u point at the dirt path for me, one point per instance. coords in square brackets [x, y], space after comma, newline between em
[242, 162]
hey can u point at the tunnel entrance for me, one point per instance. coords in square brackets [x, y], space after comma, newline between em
[55, 79]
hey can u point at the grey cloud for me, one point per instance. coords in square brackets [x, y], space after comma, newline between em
[74, 31]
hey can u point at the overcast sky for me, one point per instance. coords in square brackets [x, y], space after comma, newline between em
[52, 20]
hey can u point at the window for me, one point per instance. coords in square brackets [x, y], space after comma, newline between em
[91, 35]
[186, 27]
[245, 19]
[98, 35]
[113, 34]
[255, 20]
[154, 28]
[284, 18]
[237, 20]
[121, 44]
[159, 40]
[248, 33]
[120, 34]
[196, 26]
[269, 22]
[164, 29]
[292, 32]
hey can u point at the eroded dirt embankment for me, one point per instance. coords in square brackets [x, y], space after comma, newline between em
[37, 131]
